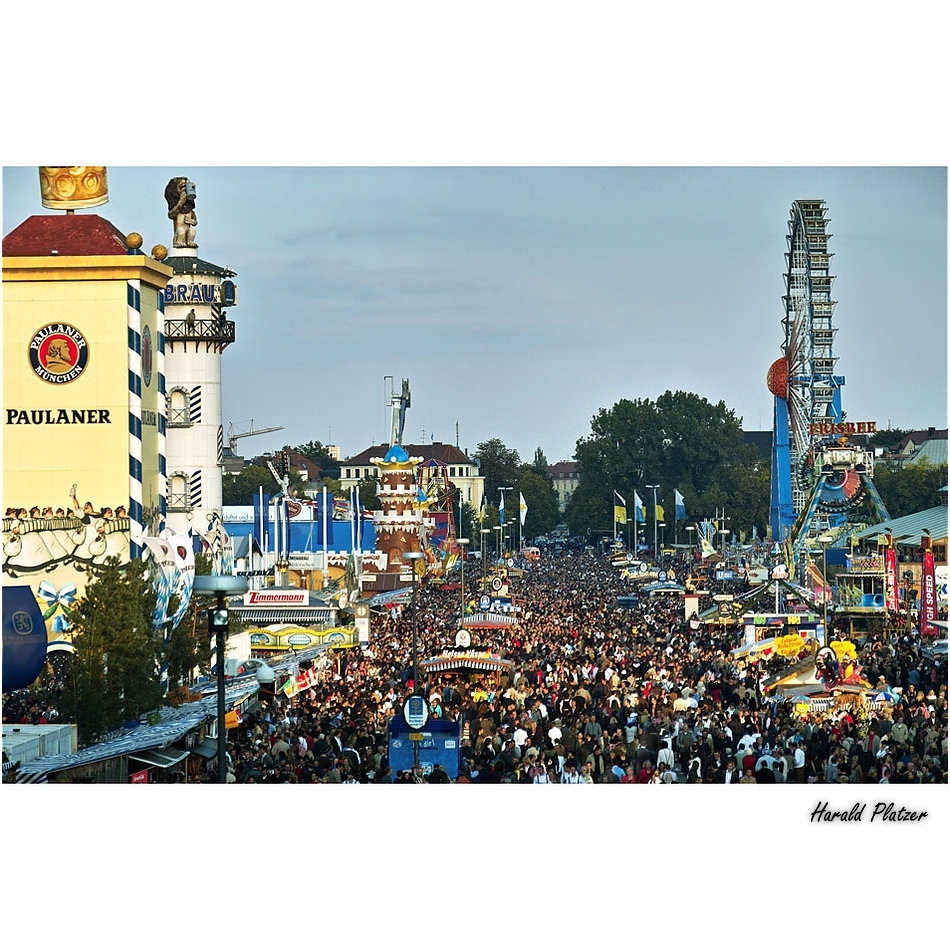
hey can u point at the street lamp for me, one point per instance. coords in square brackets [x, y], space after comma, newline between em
[662, 524]
[462, 542]
[723, 532]
[824, 540]
[498, 528]
[220, 585]
[629, 522]
[411, 557]
[655, 549]
[484, 554]
[690, 528]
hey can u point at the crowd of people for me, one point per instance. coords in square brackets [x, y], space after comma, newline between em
[597, 694]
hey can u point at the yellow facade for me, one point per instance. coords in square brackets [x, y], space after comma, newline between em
[93, 420]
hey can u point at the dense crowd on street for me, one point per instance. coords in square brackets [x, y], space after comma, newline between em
[597, 694]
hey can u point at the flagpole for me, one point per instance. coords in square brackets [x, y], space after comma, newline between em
[326, 566]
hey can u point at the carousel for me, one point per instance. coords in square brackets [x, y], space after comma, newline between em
[823, 683]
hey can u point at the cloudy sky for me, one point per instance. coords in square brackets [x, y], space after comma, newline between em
[520, 300]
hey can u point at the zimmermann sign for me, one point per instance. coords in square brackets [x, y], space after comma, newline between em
[276, 598]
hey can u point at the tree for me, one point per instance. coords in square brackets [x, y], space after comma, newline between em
[912, 488]
[114, 673]
[317, 453]
[541, 501]
[468, 523]
[189, 646]
[681, 442]
[498, 465]
[540, 463]
[245, 486]
[369, 493]
[888, 438]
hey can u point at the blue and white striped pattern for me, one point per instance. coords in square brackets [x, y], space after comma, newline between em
[194, 416]
[194, 489]
[162, 408]
[134, 297]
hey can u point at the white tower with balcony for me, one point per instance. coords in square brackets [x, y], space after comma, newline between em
[197, 331]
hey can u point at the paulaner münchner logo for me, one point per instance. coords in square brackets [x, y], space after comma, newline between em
[58, 353]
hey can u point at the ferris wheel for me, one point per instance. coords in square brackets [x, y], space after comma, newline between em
[807, 391]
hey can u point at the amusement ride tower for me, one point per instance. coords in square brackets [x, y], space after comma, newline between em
[399, 522]
[819, 480]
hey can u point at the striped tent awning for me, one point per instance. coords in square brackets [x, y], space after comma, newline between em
[259, 616]
[401, 596]
[488, 620]
[465, 661]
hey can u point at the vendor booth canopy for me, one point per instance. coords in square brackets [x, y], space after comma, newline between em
[489, 621]
[481, 662]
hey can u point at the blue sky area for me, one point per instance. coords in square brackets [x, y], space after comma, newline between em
[520, 300]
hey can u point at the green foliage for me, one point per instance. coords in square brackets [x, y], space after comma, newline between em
[246, 485]
[887, 438]
[468, 523]
[498, 465]
[679, 442]
[540, 463]
[368, 489]
[114, 673]
[911, 488]
[317, 453]
[540, 499]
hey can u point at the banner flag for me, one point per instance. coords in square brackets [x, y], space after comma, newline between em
[262, 520]
[218, 546]
[928, 593]
[890, 577]
[639, 511]
[679, 512]
[524, 508]
[660, 512]
[620, 508]
[184, 552]
[164, 559]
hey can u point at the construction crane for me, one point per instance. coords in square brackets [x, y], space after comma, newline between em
[234, 436]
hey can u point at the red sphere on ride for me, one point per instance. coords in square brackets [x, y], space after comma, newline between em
[777, 378]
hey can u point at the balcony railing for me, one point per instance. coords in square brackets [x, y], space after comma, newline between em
[207, 331]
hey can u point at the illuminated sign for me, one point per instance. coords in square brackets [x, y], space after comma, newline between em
[283, 598]
[841, 428]
[58, 353]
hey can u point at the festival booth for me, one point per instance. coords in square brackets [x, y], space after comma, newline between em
[280, 639]
[437, 741]
[465, 664]
[279, 619]
[662, 586]
[771, 626]
[824, 683]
